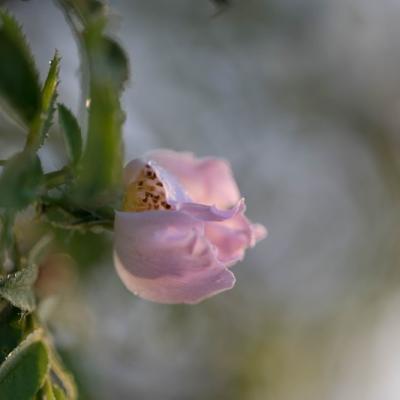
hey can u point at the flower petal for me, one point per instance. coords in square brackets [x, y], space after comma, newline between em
[210, 213]
[132, 170]
[164, 256]
[206, 180]
[233, 236]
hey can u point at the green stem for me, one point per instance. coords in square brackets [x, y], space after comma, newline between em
[95, 226]
[57, 178]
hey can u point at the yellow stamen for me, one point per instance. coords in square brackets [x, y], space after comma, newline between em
[146, 192]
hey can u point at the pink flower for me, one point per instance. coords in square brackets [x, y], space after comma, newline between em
[182, 227]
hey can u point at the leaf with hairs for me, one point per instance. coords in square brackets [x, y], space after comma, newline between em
[17, 288]
[43, 120]
[19, 79]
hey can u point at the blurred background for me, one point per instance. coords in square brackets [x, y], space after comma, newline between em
[303, 98]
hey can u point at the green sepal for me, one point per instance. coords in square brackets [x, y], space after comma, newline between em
[49, 94]
[44, 120]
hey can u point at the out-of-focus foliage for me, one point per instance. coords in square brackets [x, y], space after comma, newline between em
[17, 288]
[19, 83]
[35, 203]
[23, 373]
[11, 333]
[20, 181]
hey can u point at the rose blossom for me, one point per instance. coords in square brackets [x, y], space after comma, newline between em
[181, 228]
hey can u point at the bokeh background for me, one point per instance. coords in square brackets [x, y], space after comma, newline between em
[303, 98]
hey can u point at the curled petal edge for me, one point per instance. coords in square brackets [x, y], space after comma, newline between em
[175, 268]
[210, 213]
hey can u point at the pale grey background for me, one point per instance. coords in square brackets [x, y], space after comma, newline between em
[303, 98]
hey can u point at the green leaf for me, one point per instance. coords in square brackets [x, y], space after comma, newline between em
[49, 94]
[11, 331]
[23, 372]
[19, 81]
[72, 133]
[43, 121]
[20, 181]
[17, 288]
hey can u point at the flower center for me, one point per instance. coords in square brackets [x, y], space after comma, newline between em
[146, 192]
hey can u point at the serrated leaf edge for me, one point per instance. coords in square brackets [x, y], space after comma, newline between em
[15, 275]
[12, 25]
